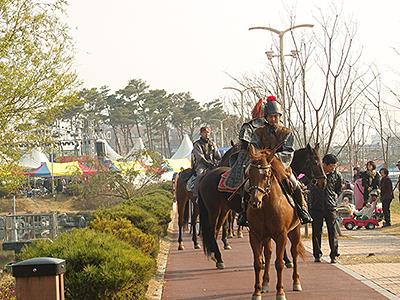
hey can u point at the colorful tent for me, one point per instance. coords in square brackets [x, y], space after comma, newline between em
[61, 169]
[125, 166]
[177, 164]
[33, 160]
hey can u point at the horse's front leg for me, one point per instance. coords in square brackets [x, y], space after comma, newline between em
[280, 249]
[296, 249]
[267, 257]
[225, 236]
[195, 214]
[257, 247]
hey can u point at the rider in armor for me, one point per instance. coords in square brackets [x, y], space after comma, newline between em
[205, 156]
[270, 136]
[236, 175]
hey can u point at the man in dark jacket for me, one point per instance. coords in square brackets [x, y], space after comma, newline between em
[323, 206]
[205, 156]
[386, 194]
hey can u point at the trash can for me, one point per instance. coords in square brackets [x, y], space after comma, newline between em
[40, 278]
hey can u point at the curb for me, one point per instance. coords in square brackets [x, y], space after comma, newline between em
[155, 289]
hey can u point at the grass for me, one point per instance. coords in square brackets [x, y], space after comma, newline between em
[373, 259]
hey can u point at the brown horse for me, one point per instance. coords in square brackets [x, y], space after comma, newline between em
[183, 196]
[214, 205]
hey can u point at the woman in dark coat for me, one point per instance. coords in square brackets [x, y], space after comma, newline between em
[370, 180]
[386, 194]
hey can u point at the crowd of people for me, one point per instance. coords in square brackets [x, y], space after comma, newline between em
[266, 130]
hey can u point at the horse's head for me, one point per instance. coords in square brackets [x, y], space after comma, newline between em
[260, 175]
[313, 165]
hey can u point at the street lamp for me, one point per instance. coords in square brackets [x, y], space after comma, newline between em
[241, 99]
[221, 128]
[270, 55]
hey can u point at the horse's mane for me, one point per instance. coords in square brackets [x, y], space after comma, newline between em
[278, 168]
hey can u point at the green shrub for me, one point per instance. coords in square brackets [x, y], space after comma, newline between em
[150, 213]
[158, 203]
[138, 216]
[98, 265]
[124, 230]
[7, 287]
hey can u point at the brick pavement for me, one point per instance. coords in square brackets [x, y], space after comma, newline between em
[366, 242]
[189, 275]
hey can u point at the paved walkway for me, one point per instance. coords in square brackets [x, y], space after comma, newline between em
[189, 275]
[370, 244]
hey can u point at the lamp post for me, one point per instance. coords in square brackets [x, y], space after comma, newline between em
[221, 128]
[281, 57]
[241, 99]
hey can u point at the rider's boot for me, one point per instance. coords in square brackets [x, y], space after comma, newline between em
[301, 206]
[300, 203]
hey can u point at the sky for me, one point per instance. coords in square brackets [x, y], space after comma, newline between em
[187, 45]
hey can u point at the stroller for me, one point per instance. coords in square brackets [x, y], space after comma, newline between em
[369, 216]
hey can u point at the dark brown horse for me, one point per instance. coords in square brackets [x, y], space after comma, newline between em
[183, 196]
[214, 205]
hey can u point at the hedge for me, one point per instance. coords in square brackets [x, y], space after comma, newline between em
[124, 230]
[98, 265]
[150, 213]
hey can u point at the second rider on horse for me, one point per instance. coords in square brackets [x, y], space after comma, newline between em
[205, 155]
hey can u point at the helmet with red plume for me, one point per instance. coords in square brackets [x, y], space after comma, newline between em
[272, 107]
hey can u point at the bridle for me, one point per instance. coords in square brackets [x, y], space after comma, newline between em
[263, 169]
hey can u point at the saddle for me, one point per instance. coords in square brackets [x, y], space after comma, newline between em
[222, 186]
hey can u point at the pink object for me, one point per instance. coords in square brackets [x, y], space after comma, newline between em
[301, 175]
[358, 194]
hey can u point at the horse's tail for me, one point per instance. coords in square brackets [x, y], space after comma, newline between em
[206, 233]
[301, 251]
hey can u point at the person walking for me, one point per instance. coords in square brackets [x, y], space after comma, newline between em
[387, 196]
[323, 207]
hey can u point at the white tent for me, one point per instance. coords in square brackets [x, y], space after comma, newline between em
[110, 152]
[138, 145]
[33, 160]
[185, 149]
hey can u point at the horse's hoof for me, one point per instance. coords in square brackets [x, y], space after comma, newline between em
[264, 288]
[297, 287]
[197, 246]
[230, 236]
[289, 265]
[240, 235]
[228, 247]
[256, 297]
[220, 265]
[280, 297]
[180, 247]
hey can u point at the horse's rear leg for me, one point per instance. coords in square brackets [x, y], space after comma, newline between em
[195, 214]
[280, 249]
[267, 256]
[222, 221]
[288, 262]
[181, 211]
[296, 246]
[257, 247]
